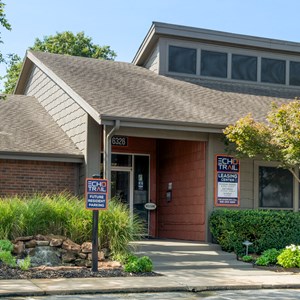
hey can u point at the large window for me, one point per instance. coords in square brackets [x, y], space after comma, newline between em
[244, 67]
[182, 60]
[213, 64]
[272, 70]
[294, 73]
[275, 188]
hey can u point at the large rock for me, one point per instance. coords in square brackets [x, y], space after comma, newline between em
[71, 246]
[30, 244]
[56, 242]
[68, 257]
[101, 256]
[42, 243]
[86, 247]
[24, 238]
[19, 248]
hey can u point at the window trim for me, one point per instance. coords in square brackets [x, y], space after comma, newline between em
[260, 163]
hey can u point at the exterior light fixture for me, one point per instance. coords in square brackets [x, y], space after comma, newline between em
[247, 244]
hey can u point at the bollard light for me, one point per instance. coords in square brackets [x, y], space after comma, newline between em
[247, 244]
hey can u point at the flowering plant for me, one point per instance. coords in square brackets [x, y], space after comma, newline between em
[290, 257]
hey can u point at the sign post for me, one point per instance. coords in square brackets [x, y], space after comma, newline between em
[95, 199]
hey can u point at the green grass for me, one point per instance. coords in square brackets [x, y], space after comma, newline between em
[66, 215]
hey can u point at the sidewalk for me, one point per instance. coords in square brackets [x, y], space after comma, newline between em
[185, 266]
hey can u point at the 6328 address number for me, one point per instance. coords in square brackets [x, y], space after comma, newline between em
[120, 141]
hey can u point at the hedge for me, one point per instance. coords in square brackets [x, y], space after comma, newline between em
[266, 229]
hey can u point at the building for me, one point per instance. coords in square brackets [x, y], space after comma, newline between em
[152, 127]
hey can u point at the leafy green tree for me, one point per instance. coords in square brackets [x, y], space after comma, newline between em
[278, 139]
[61, 43]
[4, 23]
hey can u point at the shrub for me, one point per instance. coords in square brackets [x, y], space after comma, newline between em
[266, 229]
[247, 258]
[24, 264]
[138, 264]
[66, 215]
[117, 228]
[6, 245]
[290, 257]
[7, 258]
[262, 261]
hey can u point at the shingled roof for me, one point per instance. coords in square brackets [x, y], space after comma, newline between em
[26, 127]
[117, 89]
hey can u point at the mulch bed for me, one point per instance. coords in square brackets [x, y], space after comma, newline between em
[65, 272]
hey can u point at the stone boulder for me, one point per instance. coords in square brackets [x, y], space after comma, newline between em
[86, 247]
[71, 246]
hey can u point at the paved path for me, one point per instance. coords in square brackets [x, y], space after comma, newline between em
[185, 266]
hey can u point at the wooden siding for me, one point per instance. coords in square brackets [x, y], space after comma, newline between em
[64, 110]
[153, 62]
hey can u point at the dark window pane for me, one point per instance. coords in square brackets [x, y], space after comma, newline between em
[244, 67]
[182, 60]
[294, 73]
[121, 160]
[213, 64]
[272, 70]
[275, 187]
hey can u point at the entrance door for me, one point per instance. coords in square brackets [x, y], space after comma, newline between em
[120, 186]
[130, 182]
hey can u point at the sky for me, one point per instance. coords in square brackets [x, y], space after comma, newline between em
[123, 24]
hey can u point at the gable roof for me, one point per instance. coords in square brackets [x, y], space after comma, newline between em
[117, 90]
[26, 128]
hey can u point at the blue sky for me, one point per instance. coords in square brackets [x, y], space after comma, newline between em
[122, 24]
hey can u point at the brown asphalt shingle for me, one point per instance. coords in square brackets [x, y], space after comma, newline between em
[25, 126]
[124, 90]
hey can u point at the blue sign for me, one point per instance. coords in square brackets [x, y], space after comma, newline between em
[96, 194]
[227, 182]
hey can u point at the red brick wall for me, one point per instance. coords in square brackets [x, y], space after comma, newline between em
[29, 177]
[183, 164]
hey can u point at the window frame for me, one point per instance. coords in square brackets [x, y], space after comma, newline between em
[295, 200]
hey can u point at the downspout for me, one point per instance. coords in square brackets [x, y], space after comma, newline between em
[107, 153]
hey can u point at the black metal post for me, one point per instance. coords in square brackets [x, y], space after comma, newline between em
[95, 237]
[95, 241]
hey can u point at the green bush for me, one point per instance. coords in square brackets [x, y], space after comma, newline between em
[290, 257]
[247, 258]
[138, 264]
[268, 257]
[266, 229]
[6, 245]
[7, 258]
[66, 215]
[117, 228]
[25, 263]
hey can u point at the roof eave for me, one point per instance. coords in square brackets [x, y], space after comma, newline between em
[163, 124]
[53, 157]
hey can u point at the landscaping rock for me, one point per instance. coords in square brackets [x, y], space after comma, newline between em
[24, 238]
[40, 237]
[86, 247]
[68, 257]
[82, 255]
[56, 242]
[42, 243]
[19, 248]
[100, 256]
[30, 244]
[71, 246]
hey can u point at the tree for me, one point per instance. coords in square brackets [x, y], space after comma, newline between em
[278, 139]
[4, 23]
[61, 43]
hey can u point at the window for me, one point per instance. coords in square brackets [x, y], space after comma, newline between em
[275, 188]
[121, 160]
[294, 73]
[244, 67]
[213, 64]
[182, 60]
[273, 70]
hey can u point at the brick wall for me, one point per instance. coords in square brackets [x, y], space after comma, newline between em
[183, 164]
[29, 177]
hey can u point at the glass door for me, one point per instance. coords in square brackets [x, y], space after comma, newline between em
[120, 186]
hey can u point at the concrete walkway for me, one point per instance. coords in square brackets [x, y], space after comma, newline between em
[185, 266]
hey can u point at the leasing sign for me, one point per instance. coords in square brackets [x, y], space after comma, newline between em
[227, 180]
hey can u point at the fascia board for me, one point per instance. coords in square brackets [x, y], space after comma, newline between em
[77, 98]
[42, 156]
[163, 125]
